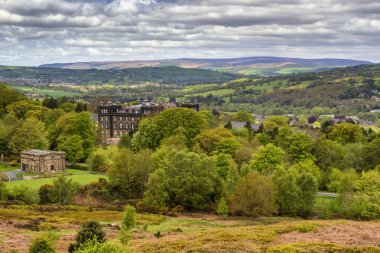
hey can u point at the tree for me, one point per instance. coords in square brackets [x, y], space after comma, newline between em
[41, 245]
[152, 131]
[30, 135]
[129, 172]
[296, 191]
[26, 108]
[366, 203]
[191, 121]
[74, 124]
[125, 141]
[329, 154]
[148, 135]
[308, 187]
[371, 153]
[299, 146]
[73, 146]
[287, 191]
[128, 221]
[63, 190]
[267, 158]
[244, 116]
[91, 230]
[346, 133]
[254, 195]
[8, 96]
[308, 166]
[272, 124]
[222, 208]
[227, 170]
[183, 178]
[208, 140]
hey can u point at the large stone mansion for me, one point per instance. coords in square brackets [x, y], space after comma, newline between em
[116, 120]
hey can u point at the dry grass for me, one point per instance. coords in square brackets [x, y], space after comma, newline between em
[191, 233]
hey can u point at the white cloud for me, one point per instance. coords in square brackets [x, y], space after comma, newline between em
[41, 31]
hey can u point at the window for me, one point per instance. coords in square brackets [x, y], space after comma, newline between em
[121, 125]
[126, 126]
[133, 126]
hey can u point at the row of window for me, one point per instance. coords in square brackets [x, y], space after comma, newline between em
[115, 133]
[120, 126]
[120, 118]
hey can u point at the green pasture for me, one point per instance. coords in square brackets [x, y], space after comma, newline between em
[35, 184]
[47, 92]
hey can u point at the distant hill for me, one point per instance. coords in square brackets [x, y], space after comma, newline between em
[162, 75]
[246, 65]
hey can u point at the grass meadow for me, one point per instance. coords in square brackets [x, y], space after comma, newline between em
[35, 184]
[47, 92]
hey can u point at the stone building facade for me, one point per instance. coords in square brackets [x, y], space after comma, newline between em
[115, 120]
[43, 161]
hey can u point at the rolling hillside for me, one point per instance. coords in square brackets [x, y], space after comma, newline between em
[162, 75]
[246, 65]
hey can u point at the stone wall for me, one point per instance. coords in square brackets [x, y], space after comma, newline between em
[46, 163]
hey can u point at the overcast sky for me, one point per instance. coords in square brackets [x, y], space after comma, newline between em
[34, 32]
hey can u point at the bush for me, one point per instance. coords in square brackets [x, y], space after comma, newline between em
[25, 194]
[91, 230]
[41, 245]
[94, 246]
[43, 193]
[254, 195]
[222, 208]
[129, 217]
[3, 192]
[63, 190]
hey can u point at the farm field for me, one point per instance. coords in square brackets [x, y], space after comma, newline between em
[35, 184]
[190, 233]
[47, 92]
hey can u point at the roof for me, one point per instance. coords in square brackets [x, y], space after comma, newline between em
[236, 125]
[41, 152]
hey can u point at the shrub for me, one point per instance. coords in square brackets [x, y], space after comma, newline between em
[63, 190]
[43, 193]
[222, 208]
[41, 245]
[25, 194]
[254, 195]
[94, 246]
[129, 217]
[91, 230]
[3, 191]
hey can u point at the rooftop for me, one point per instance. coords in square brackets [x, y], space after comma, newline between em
[41, 152]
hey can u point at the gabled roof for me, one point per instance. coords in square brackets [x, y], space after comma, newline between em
[38, 152]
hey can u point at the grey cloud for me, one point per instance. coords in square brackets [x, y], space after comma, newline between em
[39, 31]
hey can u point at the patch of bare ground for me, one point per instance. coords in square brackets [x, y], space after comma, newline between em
[349, 233]
[14, 239]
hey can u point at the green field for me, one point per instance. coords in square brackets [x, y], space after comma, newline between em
[82, 179]
[287, 71]
[217, 93]
[47, 92]
[5, 167]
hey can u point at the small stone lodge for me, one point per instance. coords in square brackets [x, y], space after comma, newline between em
[43, 161]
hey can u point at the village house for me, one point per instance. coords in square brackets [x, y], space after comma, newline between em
[43, 161]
